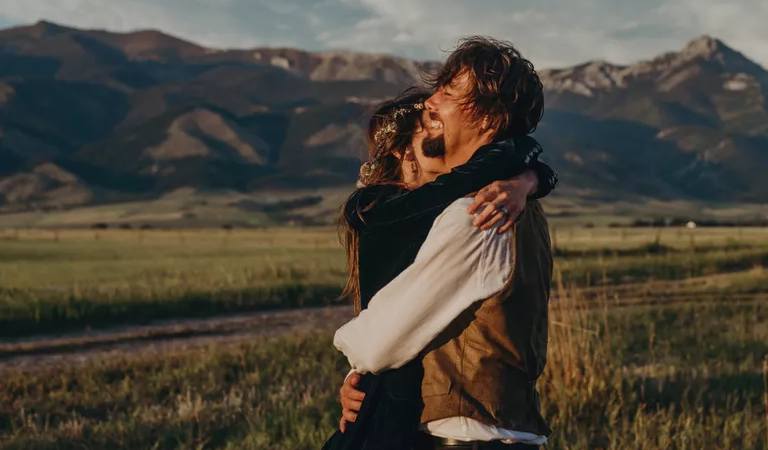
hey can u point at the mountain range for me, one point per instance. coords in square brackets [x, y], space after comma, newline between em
[93, 117]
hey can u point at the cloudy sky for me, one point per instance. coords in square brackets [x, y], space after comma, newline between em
[552, 33]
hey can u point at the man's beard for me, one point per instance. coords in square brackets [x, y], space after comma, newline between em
[434, 147]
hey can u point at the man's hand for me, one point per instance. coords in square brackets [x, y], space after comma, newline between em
[511, 195]
[351, 400]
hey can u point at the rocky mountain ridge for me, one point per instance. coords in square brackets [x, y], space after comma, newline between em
[93, 116]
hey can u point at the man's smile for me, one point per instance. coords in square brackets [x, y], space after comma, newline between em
[433, 121]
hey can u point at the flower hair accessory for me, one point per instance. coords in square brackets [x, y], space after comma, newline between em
[389, 128]
[366, 170]
[383, 134]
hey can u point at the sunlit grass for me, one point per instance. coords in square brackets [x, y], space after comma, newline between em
[680, 377]
[69, 279]
[684, 372]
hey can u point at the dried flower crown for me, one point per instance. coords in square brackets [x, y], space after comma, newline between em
[383, 134]
[389, 128]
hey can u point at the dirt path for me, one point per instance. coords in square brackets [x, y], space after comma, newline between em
[39, 351]
[167, 335]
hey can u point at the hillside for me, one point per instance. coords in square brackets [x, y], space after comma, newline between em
[93, 117]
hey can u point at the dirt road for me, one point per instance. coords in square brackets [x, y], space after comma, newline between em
[40, 351]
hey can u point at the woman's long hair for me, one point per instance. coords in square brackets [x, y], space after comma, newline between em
[385, 153]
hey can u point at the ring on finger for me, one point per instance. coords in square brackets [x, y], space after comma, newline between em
[504, 210]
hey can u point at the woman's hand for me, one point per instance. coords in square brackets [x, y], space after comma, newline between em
[503, 201]
[351, 400]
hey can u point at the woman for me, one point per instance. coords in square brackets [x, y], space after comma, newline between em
[384, 223]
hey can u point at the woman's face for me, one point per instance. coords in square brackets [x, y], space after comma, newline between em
[419, 169]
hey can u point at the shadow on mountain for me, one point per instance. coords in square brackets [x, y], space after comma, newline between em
[74, 112]
[27, 66]
[628, 156]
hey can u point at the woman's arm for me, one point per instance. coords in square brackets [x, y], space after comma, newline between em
[496, 161]
[547, 178]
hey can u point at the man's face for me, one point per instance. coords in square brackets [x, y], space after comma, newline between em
[445, 116]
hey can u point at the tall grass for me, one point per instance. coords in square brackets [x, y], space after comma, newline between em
[621, 374]
[676, 377]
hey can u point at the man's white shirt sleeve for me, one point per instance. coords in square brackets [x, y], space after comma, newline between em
[457, 265]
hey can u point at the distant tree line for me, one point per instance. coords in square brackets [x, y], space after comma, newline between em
[684, 222]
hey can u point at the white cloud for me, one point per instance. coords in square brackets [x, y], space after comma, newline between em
[550, 32]
[561, 32]
[216, 23]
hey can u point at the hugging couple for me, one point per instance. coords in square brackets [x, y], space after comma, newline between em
[450, 264]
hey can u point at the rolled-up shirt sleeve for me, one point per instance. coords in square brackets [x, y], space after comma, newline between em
[458, 265]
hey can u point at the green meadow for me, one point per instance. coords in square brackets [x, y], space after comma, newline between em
[658, 339]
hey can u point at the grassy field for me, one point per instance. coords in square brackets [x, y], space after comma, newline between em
[681, 376]
[64, 280]
[658, 339]
[52, 281]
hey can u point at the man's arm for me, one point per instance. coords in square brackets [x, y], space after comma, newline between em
[457, 266]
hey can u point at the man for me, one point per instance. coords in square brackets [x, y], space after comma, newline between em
[474, 302]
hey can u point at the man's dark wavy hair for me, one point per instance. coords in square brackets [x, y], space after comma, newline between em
[505, 87]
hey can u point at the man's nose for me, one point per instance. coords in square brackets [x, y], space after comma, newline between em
[431, 103]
